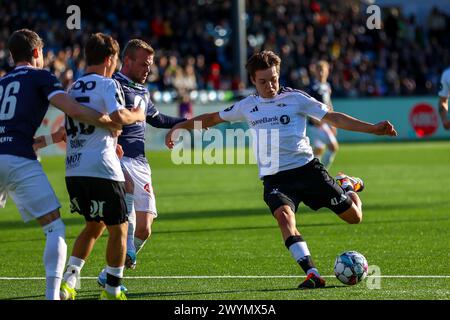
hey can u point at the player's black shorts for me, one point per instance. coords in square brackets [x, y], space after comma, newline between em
[98, 199]
[310, 184]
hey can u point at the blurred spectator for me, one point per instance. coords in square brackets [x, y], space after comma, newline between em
[170, 72]
[185, 108]
[200, 71]
[185, 79]
[437, 24]
[213, 80]
[404, 57]
[190, 79]
[162, 65]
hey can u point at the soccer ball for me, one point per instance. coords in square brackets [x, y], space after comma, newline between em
[350, 267]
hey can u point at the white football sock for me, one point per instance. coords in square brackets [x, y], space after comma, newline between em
[72, 274]
[131, 229]
[299, 251]
[54, 257]
[52, 287]
[129, 200]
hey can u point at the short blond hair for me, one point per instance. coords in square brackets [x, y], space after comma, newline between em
[133, 45]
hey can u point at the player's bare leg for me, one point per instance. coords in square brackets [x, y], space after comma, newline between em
[82, 248]
[351, 185]
[129, 236]
[130, 258]
[297, 247]
[115, 258]
[55, 252]
[144, 221]
[86, 240]
[286, 221]
[353, 215]
[116, 248]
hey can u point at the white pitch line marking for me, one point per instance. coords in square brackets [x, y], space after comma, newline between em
[235, 277]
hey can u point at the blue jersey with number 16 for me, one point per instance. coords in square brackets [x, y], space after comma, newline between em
[24, 98]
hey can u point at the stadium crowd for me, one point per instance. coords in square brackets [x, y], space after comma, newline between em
[194, 47]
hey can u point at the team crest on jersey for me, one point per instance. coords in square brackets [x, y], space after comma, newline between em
[284, 119]
[148, 188]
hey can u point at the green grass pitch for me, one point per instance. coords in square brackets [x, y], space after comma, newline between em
[213, 222]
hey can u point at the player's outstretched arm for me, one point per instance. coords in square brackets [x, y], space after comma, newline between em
[163, 121]
[73, 109]
[443, 112]
[206, 120]
[343, 121]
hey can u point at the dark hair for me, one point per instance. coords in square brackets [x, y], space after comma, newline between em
[261, 61]
[99, 47]
[21, 44]
[133, 45]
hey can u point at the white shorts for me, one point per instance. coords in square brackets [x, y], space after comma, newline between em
[321, 136]
[26, 183]
[144, 198]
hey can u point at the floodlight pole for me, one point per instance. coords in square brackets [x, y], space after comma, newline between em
[239, 35]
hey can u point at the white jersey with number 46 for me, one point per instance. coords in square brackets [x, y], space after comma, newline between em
[91, 151]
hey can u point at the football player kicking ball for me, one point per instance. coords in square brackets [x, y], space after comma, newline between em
[298, 176]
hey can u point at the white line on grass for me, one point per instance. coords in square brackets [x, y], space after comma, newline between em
[234, 277]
